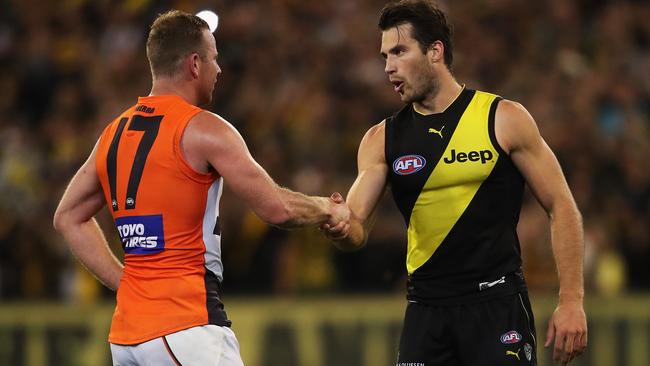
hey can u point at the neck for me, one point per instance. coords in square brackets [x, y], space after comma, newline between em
[171, 86]
[441, 99]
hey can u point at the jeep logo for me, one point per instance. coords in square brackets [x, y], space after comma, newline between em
[461, 157]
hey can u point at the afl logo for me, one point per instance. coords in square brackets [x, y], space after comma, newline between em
[408, 164]
[511, 337]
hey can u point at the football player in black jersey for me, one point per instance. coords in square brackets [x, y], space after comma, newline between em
[457, 160]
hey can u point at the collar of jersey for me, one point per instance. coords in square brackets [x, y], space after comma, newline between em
[154, 98]
[448, 108]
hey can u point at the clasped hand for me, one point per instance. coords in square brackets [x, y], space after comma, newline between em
[338, 227]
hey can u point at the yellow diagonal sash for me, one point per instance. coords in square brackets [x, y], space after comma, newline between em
[453, 183]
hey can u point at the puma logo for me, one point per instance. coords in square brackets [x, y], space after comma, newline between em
[438, 132]
[514, 354]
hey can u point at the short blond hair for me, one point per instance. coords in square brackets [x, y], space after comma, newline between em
[174, 35]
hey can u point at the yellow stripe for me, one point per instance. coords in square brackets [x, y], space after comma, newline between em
[451, 187]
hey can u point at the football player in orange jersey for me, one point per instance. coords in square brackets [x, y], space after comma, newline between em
[160, 166]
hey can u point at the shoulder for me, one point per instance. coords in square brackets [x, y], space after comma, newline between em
[376, 130]
[514, 125]
[373, 142]
[375, 135]
[208, 120]
[207, 124]
[207, 130]
[509, 110]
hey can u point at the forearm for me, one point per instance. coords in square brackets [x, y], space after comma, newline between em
[88, 244]
[568, 249]
[300, 210]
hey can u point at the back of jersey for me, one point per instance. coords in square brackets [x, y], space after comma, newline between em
[166, 214]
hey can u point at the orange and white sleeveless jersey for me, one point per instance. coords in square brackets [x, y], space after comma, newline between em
[166, 214]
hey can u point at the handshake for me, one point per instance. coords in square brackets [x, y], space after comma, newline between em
[337, 228]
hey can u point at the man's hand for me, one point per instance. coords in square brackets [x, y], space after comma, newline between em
[339, 225]
[568, 325]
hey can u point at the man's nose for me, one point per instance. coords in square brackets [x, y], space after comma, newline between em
[389, 68]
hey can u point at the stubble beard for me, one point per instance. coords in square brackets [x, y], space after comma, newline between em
[426, 86]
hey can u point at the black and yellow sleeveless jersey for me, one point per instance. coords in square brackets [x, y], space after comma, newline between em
[460, 195]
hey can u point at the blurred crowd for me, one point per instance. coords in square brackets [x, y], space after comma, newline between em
[302, 81]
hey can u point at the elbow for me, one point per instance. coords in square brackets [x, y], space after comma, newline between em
[566, 210]
[59, 221]
[578, 215]
[64, 221]
[350, 245]
[279, 220]
[578, 218]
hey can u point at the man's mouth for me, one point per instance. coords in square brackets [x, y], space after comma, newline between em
[398, 85]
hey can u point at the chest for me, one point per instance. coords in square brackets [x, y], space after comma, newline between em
[430, 155]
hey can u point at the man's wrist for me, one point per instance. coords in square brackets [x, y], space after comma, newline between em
[571, 297]
[326, 207]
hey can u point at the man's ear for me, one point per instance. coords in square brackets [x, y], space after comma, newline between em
[193, 64]
[436, 52]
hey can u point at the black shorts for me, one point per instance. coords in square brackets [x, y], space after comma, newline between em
[499, 331]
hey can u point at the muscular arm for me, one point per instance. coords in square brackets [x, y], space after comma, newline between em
[74, 219]
[517, 133]
[365, 192]
[211, 139]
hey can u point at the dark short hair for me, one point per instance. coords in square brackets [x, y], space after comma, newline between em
[429, 23]
[174, 35]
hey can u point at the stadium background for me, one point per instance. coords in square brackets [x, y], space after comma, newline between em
[302, 81]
